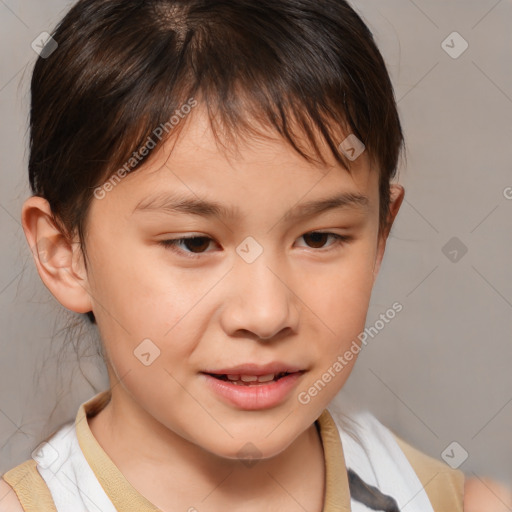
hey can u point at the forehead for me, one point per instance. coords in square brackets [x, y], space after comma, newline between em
[203, 137]
[200, 165]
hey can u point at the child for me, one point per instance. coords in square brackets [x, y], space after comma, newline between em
[259, 128]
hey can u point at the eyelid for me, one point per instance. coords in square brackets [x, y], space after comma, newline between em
[172, 244]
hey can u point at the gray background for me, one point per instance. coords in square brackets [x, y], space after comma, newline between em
[440, 371]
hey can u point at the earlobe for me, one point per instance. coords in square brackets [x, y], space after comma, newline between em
[397, 193]
[60, 269]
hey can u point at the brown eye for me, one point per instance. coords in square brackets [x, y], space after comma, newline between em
[317, 239]
[194, 246]
[197, 243]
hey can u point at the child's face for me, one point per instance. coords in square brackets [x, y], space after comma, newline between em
[300, 304]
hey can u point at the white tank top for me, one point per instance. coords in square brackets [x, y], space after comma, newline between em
[72, 483]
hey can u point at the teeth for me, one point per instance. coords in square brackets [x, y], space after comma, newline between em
[251, 378]
[248, 378]
[266, 378]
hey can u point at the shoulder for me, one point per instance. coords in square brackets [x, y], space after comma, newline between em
[25, 490]
[444, 485]
[486, 494]
[9, 501]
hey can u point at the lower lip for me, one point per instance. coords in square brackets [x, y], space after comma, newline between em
[254, 397]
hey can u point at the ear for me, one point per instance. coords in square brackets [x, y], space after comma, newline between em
[58, 260]
[397, 193]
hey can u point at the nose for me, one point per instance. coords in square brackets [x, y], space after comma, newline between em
[260, 301]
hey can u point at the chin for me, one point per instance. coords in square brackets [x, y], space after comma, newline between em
[248, 450]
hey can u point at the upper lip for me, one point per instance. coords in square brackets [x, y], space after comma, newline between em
[257, 369]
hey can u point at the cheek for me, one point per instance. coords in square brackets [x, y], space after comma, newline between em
[341, 297]
[342, 308]
[343, 288]
[134, 291]
[140, 314]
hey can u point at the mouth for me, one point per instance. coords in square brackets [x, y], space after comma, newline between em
[254, 387]
[252, 380]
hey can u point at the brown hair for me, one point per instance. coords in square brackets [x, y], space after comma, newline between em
[124, 67]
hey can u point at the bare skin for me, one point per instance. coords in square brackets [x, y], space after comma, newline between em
[300, 302]
[486, 495]
[227, 482]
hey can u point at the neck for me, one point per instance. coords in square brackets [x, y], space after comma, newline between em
[169, 470]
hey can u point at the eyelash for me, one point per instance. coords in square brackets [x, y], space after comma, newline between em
[172, 244]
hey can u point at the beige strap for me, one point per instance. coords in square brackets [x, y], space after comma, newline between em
[444, 486]
[119, 490]
[30, 487]
[337, 492]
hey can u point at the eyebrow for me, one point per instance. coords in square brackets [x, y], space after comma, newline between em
[176, 204]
